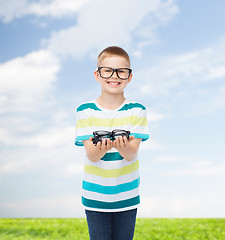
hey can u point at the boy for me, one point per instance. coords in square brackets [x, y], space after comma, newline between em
[111, 179]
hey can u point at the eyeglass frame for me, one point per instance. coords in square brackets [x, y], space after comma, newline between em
[98, 138]
[114, 70]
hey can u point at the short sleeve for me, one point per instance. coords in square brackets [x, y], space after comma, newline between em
[139, 125]
[84, 127]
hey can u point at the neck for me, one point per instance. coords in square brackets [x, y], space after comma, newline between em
[110, 101]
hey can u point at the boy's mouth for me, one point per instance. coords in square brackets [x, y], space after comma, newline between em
[113, 82]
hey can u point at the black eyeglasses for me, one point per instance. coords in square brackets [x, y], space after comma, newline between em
[107, 72]
[99, 135]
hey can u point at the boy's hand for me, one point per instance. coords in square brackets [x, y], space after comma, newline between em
[122, 142]
[105, 145]
[95, 153]
[127, 148]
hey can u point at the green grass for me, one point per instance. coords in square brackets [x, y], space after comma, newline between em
[146, 229]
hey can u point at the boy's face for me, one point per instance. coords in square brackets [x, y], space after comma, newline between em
[113, 85]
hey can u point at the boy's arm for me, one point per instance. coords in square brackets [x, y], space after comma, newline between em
[128, 149]
[95, 153]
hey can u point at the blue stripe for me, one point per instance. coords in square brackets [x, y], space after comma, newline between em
[111, 189]
[126, 107]
[79, 139]
[112, 157]
[86, 106]
[111, 205]
[132, 105]
[144, 137]
[80, 144]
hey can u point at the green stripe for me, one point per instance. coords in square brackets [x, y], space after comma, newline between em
[101, 122]
[140, 122]
[111, 205]
[132, 105]
[111, 173]
[84, 123]
[124, 187]
[112, 157]
[112, 122]
[86, 106]
[134, 120]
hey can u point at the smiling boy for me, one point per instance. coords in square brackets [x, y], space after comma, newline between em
[111, 179]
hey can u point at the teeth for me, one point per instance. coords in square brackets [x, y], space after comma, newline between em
[114, 83]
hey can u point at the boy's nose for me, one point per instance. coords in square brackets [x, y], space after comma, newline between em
[114, 75]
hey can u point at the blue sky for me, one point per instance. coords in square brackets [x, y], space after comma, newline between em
[48, 53]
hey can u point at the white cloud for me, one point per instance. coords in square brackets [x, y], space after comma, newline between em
[99, 26]
[153, 116]
[51, 147]
[175, 71]
[52, 137]
[184, 83]
[194, 166]
[56, 8]
[200, 164]
[151, 145]
[57, 206]
[219, 100]
[181, 207]
[202, 169]
[73, 169]
[25, 81]
[173, 158]
[12, 9]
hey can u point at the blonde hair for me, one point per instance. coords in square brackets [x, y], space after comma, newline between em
[112, 51]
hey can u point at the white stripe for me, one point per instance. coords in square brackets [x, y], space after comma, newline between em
[123, 127]
[112, 210]
[113, 115]
[139, 129]
[133, 129]
[111, 181]
[84, 131]
[110, 198]
[113, 150]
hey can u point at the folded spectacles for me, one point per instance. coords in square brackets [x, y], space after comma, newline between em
[99, 135]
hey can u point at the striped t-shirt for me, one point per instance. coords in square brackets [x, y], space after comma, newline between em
[112, 183]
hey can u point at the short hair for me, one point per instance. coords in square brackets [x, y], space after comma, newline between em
[112, 51]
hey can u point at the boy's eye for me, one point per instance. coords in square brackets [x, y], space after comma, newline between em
[106, 70]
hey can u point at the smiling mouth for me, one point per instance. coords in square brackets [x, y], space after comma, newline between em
[113, 83]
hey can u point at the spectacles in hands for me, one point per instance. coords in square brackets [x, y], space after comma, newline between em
[99, 135]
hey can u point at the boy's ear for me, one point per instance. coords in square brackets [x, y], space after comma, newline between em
[96, 75]
[129, 79]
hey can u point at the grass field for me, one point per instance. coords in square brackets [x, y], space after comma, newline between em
[146, 229]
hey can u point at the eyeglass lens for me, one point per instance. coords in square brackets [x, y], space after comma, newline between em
[102, 133]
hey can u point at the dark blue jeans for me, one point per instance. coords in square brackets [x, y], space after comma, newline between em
[111, 225]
